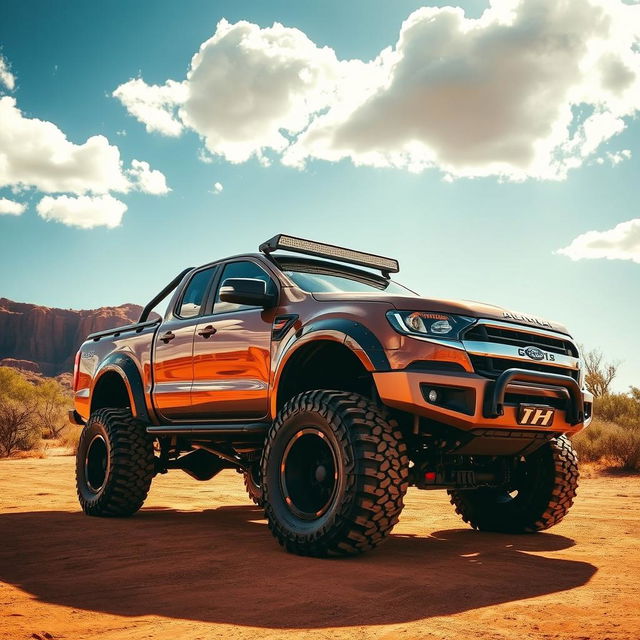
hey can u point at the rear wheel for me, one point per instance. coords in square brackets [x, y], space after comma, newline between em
[540, 494]
[114, 464]
[335, 471]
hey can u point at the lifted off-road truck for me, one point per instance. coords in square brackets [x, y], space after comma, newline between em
[332, 389]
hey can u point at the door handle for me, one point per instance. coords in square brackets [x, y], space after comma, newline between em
[167, 337]
[207, 332]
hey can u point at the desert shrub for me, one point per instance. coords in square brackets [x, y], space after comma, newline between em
[69, 437]
[18, 429]
[29, 411]
[618, 407]
[614, 435]
[19, 426]
[617, 445]
[51, 411]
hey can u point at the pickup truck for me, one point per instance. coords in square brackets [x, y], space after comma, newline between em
[332, 389]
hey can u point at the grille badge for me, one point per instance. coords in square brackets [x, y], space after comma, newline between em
[534, 353]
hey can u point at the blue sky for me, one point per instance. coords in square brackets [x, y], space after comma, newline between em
[487, 237]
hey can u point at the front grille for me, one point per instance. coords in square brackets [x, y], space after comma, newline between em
[493, 367]
[487, 333]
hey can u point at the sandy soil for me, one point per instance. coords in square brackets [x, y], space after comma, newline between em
[199, 562]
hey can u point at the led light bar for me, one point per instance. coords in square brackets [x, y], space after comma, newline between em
[341, 254]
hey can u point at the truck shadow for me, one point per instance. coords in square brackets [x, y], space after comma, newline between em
[222, 565]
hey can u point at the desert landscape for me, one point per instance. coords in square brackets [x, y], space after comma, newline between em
[348, 250]
[199, 562]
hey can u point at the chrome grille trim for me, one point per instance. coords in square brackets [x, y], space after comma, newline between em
[562, 363]
[510, 352]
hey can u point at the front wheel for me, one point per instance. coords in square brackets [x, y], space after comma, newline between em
[114, 464]
[540, 493]
[335, 472]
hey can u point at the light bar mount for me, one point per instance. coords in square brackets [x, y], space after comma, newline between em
[322, 250]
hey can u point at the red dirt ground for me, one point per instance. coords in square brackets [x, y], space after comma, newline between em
[198, 562]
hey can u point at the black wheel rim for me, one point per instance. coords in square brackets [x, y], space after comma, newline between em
[96, 462]
[309, 474]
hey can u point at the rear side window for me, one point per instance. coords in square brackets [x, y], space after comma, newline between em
[242, 269]
[194, 294]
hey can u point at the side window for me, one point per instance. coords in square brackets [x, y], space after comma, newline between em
[195, 293]
[242, 269]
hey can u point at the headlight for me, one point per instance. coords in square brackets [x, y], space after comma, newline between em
[429, 324]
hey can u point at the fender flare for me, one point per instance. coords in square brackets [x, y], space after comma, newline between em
[354, 336]
[126, 367]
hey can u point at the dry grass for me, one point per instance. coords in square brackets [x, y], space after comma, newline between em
[70, 437]
[40, 453]
[614, 445]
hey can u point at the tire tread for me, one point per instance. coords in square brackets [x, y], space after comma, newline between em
[131, 465]
[561, 485]
[376, 478]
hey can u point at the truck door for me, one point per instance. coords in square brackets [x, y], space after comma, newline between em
[232, 354]
[173, 350]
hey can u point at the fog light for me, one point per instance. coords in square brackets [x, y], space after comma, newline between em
[433, 395]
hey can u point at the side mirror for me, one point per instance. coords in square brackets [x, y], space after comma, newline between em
[249, 291]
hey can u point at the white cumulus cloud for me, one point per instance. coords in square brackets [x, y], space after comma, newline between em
[147, 179]
[6, 77]
[36, 154]
[153, 105]
[85, 212]
[620, 243]
[217, 188]
[496, 95]
[246, 87]
[11, 207]
[530, 89]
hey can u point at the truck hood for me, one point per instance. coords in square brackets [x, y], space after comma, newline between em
[459, 307]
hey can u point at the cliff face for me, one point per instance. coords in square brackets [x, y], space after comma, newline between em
[45, 340]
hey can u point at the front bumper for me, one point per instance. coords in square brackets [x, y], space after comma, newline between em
[471, 402]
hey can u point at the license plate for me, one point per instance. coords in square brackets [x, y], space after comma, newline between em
[536, 415]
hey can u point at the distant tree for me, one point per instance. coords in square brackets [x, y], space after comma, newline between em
[599, 374]
[19, 425]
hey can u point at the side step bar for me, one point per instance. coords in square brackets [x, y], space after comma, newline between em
[229, 429]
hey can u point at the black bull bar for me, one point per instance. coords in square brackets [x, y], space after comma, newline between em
[494, 398]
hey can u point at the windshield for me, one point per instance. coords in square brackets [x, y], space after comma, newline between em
[327, 282]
